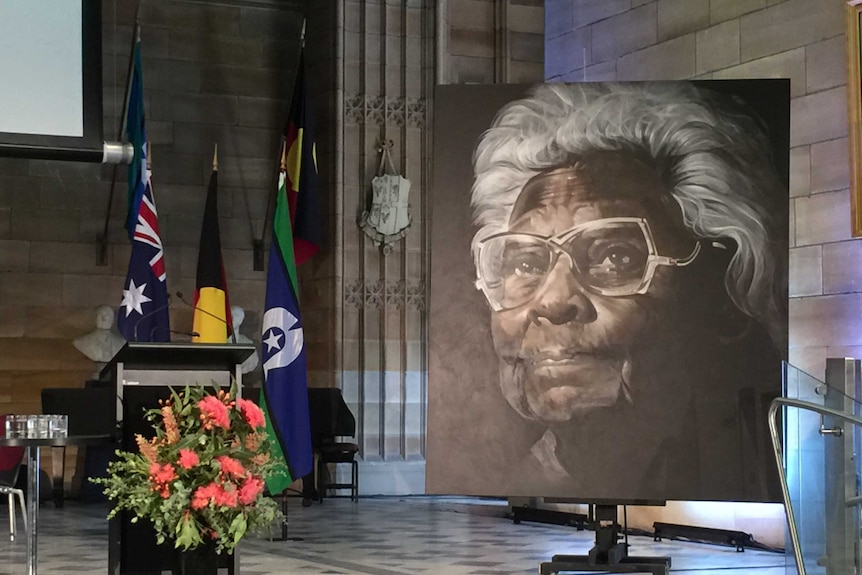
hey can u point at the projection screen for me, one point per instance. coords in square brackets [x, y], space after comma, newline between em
[51, 80]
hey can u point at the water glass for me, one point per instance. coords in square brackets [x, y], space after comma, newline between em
[58, 425]
[19, 426]
[32, 428]
[37, 426]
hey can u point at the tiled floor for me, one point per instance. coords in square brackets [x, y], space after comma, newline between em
[380, 536]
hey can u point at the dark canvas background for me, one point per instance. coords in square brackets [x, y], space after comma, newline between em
[478, 445]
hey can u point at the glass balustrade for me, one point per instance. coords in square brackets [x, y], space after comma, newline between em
[816, 428]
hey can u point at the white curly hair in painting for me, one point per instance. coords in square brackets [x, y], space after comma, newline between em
[712, 154]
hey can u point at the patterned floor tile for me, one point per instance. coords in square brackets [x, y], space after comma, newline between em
[380, 536]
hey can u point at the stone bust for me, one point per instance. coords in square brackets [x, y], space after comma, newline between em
[238, 316]
[103, 343]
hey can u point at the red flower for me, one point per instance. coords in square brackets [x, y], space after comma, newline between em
[203, 495]
[251, 412]
[188, 458]
[165, 474]
[226, 497]
[161, 477]
[213, 413]
[250, 490]
[231, 466]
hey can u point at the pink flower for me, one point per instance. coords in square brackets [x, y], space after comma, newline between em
[165, 474]
[225, 496]
[231, 466]
[252, 413]
[203, 495]
[160, 477]
[250, 490]
[188, 458]
[213, 413]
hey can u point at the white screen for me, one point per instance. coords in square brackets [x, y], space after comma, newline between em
[41, 69]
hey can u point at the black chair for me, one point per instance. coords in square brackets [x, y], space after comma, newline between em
[92, 410]
[10, 465]
[332, 420]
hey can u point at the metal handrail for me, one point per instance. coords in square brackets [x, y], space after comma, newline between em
[779, 461]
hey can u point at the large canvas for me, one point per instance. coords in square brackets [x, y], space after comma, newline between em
[608, 289]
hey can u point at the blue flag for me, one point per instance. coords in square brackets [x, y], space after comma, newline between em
[285, 387]
[143, 314]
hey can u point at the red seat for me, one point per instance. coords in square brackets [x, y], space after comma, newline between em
[10, 464]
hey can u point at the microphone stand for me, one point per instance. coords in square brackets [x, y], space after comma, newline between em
[145, 316]
[231, 338]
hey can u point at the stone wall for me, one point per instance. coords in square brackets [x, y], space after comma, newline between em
[490, 41]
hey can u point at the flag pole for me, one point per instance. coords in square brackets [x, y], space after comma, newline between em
[215, 157]
[136, 37]
[257, 244]
[102, 259]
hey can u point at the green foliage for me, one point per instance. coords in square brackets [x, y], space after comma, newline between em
[202, 476]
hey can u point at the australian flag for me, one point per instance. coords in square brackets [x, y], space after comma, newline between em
[143, 314]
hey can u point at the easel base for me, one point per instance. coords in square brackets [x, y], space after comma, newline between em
[566, 563]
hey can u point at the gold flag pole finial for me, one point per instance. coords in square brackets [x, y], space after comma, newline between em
[302, 34]
[215, 158]
[149, 158]
[283, 162]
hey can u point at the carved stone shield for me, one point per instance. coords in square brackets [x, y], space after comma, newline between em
[388, 219]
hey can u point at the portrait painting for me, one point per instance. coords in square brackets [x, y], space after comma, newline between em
[608, 291]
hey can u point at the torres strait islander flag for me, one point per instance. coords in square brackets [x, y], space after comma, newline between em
[285, 387]
[297, 235]
[143, 314]
[211, 321]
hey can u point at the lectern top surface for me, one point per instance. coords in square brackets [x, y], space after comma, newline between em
[181, 355]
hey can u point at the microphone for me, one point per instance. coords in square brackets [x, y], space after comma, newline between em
[146, 315]
[230, 336]
[171, 331]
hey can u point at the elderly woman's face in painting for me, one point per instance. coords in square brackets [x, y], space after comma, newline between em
[576, 283]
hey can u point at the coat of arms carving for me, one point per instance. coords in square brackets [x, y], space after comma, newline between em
[388, 218]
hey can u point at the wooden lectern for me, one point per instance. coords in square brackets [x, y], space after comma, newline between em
[142, 373]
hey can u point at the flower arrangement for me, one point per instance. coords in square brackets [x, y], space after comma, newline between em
[201, 478]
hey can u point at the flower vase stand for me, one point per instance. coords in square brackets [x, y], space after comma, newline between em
[202, 560]
[141, 374]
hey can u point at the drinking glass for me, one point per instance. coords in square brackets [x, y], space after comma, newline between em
[19, 425]
[37, 426]
[58, 426]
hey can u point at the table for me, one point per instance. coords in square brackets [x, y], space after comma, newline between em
[33, 445]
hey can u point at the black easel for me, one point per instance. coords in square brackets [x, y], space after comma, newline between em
[609, 554]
